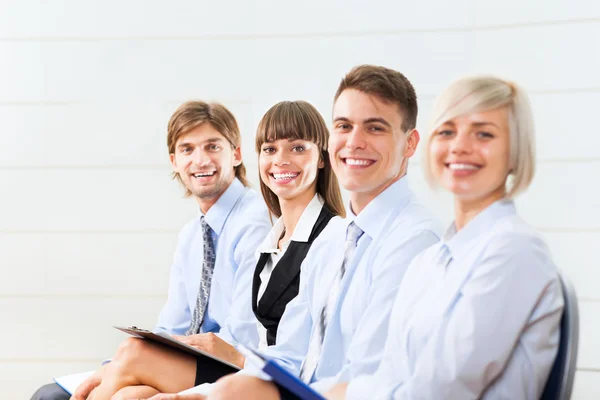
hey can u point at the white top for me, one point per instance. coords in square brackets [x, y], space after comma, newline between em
[477, 317]
[269, 245]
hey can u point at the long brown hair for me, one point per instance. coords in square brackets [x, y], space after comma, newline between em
[192, 114]
[300, 120]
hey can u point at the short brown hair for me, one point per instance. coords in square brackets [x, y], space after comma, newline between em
[192, 114]
[388, 85]
[295, 120]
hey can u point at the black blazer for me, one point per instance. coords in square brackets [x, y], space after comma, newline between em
[284, 283]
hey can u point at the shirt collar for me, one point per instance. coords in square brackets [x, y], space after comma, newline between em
[218, 213]
[370, 219]
[458, 243]
[303, 228]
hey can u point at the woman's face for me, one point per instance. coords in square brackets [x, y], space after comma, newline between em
[289, 167]
[469, 155]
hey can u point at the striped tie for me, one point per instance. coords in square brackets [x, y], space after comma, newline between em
[309, 366]
[208, 266]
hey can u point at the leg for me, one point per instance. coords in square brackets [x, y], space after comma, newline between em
[141, 363]
[135, 392]
[50, 392]
[240, 386]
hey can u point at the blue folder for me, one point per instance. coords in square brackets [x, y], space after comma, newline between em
[280, 375]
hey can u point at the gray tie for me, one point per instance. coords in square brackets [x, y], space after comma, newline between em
[309, 366]
[208, 266]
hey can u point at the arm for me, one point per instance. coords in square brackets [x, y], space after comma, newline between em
[175, 315]
[240, 325]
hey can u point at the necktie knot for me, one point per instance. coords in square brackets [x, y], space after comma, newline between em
[353, 233]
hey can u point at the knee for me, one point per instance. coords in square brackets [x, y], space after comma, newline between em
[50, 392]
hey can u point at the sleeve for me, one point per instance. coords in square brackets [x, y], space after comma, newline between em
[368, 342]
[175, 315]
[513, 288]
[240, 324]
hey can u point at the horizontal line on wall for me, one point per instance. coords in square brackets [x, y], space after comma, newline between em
[307, 35]
[81, 296]
[588, 369]
[111, 102]
[428, 96]
[555, 229]
[49, 360]
[87, 231]
[167, 169]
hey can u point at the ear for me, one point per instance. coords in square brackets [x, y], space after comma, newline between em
[173, 162]
[321, 162]
[412, 141]
[237, 156]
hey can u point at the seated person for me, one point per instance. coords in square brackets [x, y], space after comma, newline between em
[300, 189]
[204, 147]
[477, 315]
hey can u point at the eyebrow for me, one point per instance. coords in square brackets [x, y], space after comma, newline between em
[476, 124]
[209, 140]
[366, 121]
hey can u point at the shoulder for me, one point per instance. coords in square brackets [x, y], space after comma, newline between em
[518, 247]
[415, 221]
[250, 210]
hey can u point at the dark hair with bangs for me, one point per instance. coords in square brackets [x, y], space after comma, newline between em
[300, 120]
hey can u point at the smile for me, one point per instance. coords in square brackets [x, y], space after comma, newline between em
[357, 162]
[463, 167]
[203, 174]
[285, 177]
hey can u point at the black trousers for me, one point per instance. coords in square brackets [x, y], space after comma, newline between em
[50, 392]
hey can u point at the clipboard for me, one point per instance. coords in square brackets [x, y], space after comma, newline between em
[167, 340]
[280, 375]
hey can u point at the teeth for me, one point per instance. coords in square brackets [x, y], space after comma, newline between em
[355, 161]
[202, 174]
[457, 167]
[284, 176]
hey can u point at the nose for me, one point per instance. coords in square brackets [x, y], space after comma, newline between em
[200, 158]
[462, 143]
[356, 138]
[281, 159]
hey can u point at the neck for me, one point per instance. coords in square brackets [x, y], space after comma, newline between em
[291, 211]
[359, 200]
[467, 209]
[206, 203]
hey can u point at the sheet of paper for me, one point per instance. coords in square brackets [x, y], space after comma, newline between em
[71, 382]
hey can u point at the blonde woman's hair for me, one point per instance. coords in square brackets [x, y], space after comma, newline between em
[482, 93]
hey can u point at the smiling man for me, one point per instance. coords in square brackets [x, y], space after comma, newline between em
[336, 328]
[211, 276]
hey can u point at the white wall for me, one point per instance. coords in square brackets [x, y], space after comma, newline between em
[89, 215]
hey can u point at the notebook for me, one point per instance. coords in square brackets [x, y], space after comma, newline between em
[280, 375]
[70, 383]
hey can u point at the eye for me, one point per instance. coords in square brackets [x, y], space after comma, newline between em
[484, 135]
[214, 147]
[445, 133]
[268, 150]
[376, 128]
[343, 127]
[186, 150]
[298, 149]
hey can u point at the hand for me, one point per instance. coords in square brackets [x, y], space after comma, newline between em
[86, 387]
[164, 396]
[338, 392]
[211, 343]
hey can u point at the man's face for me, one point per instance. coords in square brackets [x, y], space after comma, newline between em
[367, 147]
[205, 161]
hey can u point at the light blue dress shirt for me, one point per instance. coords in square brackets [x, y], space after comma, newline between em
[396, 228]
[477, 316]
[239, 221]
